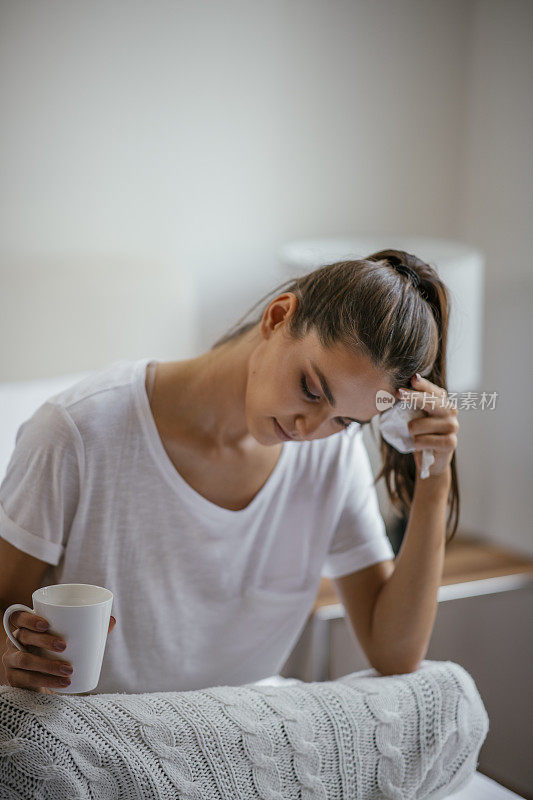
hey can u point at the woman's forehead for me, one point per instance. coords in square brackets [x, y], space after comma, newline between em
[349, 381]
[344, 365]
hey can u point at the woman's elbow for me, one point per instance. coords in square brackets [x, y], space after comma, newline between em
[396, 668]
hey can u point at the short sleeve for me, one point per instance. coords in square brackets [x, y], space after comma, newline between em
[40, 491]
[360, 538]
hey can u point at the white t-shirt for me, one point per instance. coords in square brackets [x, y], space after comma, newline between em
[203, 595]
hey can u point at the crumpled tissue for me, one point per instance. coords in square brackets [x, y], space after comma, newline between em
[393, 427]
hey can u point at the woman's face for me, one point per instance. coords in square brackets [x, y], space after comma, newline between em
[310, 391]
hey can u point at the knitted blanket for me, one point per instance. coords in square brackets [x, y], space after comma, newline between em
[360, 737]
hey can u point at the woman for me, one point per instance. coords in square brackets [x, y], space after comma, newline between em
[211, 494]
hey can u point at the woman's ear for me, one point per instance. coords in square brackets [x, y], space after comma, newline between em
[278, 312]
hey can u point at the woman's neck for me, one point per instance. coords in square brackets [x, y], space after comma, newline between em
[204, 397]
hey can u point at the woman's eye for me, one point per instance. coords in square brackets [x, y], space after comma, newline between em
[312, 396]
[306, 390]
[343, 423]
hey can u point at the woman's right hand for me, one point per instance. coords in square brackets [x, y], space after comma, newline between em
[30, 670]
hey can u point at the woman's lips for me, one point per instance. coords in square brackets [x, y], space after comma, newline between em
[280, 432]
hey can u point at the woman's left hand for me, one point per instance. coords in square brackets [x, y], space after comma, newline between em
[437, 430]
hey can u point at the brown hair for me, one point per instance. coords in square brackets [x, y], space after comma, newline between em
[394, 309]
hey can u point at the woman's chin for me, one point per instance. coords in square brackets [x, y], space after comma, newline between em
[266, 434]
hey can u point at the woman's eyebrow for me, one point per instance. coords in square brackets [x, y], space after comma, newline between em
[327, 391]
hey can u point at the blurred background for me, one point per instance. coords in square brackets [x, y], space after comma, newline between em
[157, 157]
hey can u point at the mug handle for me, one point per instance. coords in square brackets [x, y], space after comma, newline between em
[7, 614]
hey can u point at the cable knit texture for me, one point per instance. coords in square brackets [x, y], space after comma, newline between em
[360, 737]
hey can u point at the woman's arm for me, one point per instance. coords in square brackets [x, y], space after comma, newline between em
[406, 605]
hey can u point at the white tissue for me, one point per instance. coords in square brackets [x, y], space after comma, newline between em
[393, 428]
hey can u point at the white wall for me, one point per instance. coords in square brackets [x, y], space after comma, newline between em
[205, 134]
[497, 446]
[213, 132]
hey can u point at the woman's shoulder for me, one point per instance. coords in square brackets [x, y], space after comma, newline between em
[105, 395]
[113, 376]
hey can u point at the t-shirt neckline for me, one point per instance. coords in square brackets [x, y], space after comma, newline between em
[173, 477]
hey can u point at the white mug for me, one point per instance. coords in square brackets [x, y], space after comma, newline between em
[79, 613]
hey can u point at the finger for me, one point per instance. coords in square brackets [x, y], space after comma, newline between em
[443, 443]
[432, 403]
[35, 680]
[32, 662]
[423, 384]
[112, 623]
[23, 619]
[11, 648]
[436, 392]
[50, 641]
[424, 425]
